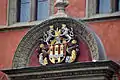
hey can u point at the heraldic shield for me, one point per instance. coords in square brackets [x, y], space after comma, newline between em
[59, 45]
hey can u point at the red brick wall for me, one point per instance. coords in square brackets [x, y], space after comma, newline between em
[9, 41]
[3, 12]
[109, 33]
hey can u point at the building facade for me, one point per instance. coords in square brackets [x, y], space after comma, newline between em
[18, 16]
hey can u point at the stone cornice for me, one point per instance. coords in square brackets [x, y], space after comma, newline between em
[84, 70]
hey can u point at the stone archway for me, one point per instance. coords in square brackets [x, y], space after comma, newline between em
[31, 40]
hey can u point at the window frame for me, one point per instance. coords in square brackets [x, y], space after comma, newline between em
[12, 13]
[91, 11]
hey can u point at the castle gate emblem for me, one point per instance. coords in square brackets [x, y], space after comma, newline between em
[59, 45]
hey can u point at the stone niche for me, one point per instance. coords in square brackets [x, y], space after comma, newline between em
[61, 48]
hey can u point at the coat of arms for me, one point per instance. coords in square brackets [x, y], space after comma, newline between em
[58, 46]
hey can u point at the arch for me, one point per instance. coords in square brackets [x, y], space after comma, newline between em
[32, 38]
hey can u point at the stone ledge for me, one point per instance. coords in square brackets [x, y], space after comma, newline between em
[102, 17]
[100, 70]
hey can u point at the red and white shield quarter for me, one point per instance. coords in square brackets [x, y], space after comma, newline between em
[57, 53]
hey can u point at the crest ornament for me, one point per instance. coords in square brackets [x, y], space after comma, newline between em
[58, 46]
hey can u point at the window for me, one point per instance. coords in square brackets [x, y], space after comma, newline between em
[42, 9]
[103, 6]
[117, 5]
[96, 7]
[29, 10]
[24, 11]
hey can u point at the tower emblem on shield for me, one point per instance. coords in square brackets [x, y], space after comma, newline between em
[58, 46]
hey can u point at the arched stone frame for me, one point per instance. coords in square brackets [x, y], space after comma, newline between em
[31, 40]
